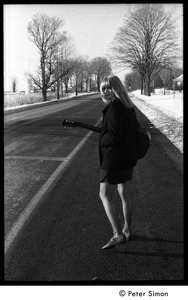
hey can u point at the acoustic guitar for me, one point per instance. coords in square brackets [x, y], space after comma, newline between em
[143, 140]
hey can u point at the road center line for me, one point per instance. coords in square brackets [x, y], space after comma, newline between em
[17, 226]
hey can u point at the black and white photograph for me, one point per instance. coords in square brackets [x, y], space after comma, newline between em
[93, 148]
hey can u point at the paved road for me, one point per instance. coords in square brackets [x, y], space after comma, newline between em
[64, 235]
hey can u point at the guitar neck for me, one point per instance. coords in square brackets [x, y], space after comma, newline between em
[90, 127]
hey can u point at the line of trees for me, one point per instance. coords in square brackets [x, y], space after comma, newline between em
[164, 79]
[58, 62]
[147, 43]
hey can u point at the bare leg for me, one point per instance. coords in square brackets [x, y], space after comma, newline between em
[124, 192]
[109, 207]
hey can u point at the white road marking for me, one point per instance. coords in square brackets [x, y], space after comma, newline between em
[17, 226]
[36, 158]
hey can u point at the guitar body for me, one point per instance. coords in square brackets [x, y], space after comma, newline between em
[143, 142]
[144, 135]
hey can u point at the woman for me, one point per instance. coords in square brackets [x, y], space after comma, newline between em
[118, 154]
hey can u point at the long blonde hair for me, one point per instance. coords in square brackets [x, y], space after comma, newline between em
[118, 89]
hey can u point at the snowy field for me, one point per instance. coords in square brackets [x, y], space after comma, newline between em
[169, 103]
[165, 112]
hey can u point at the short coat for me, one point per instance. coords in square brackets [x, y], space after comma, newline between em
[118, 140]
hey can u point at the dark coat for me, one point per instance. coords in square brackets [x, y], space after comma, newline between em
[119, 137]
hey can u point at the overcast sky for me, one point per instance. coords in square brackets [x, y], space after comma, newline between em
[92, 26]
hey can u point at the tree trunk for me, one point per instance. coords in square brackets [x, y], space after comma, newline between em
[61, 89]
[66, 87]
[58, 89]
[44, 87]
[87, 85]
[14, 87]
[164, 86]
[76, 88]
[98, 83]
[153, 86]
[142, 85]
[147, 85]
[44, 93]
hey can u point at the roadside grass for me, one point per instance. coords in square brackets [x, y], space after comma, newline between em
[14, 100]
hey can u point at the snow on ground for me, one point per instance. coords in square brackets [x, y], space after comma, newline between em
[165, 112]
[170, 103]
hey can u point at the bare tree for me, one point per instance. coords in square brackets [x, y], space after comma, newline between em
[84, 74]
[65, 64]
[78, 73]
[67, 60]
[101, 67]
[14, 84]
[146, 43]
[165, 77]
[44, 32]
